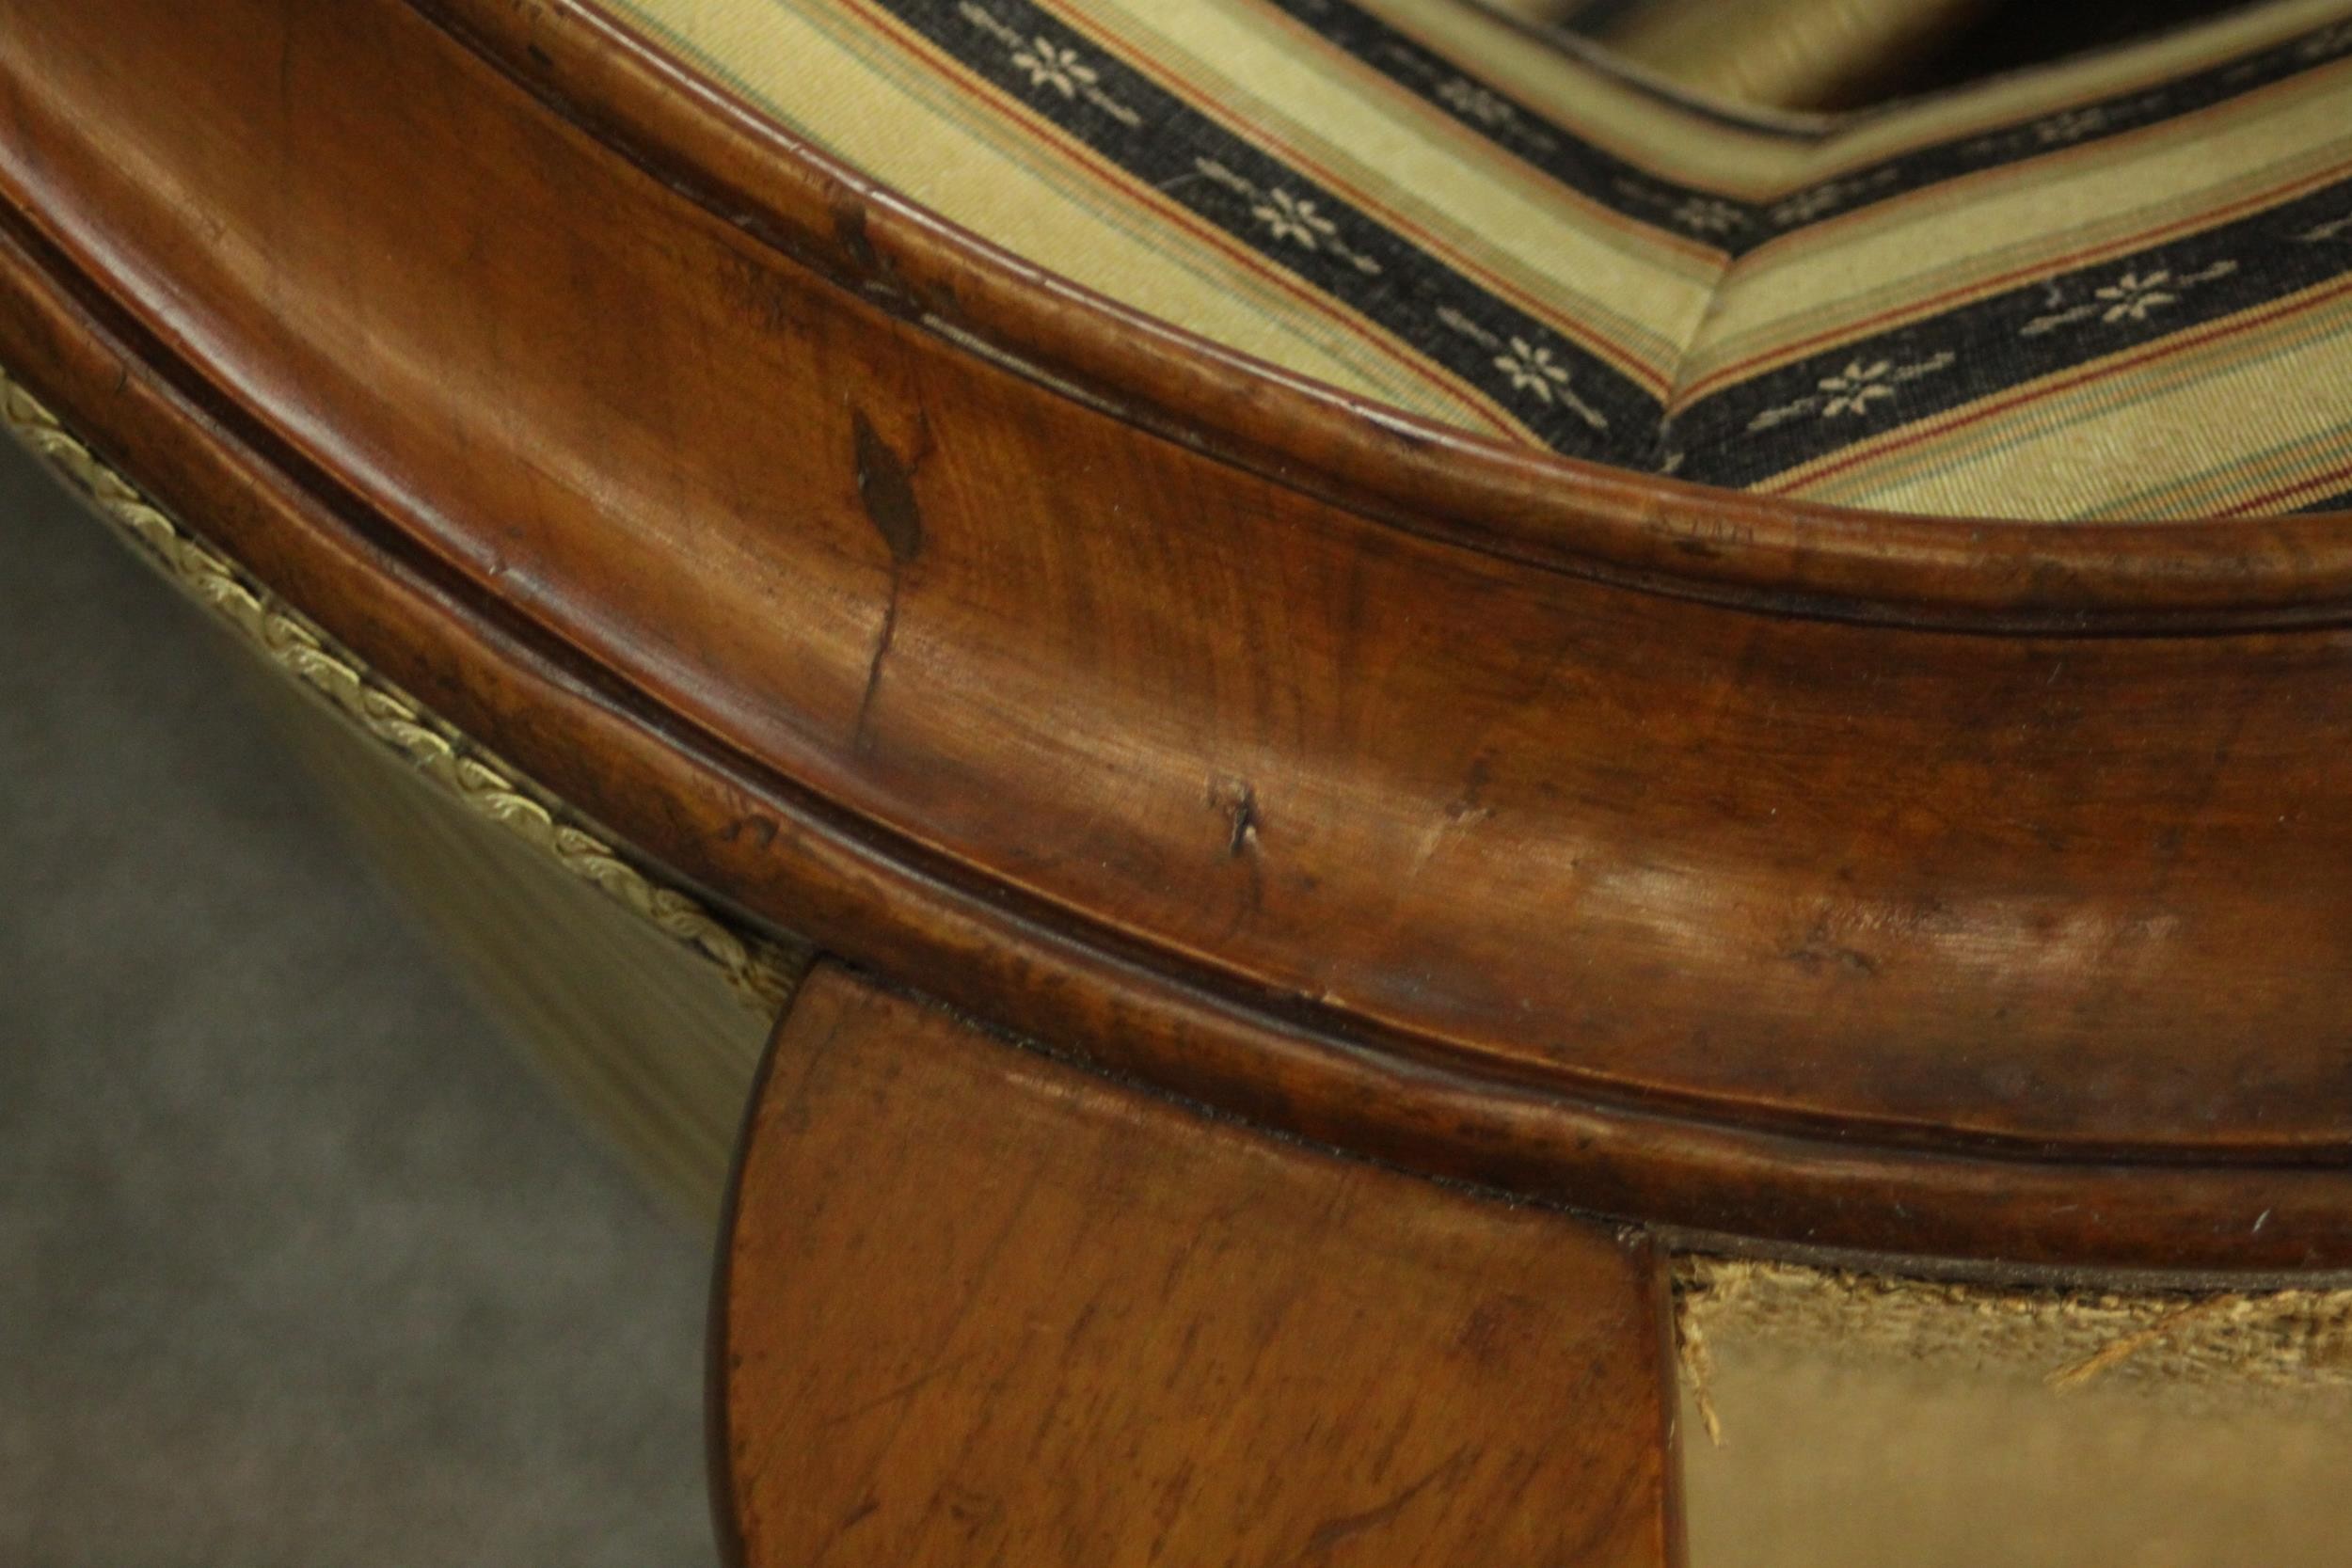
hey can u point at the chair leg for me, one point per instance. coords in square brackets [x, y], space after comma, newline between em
[978, 1305]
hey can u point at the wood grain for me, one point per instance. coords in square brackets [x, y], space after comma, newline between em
[1935, 889]
[985, 1308]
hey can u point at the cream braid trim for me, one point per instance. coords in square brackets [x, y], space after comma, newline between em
[760, 972]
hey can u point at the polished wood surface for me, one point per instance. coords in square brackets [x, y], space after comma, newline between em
[1964, 892]
[983, 1307]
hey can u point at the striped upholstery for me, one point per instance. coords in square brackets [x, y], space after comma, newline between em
[2116, 286]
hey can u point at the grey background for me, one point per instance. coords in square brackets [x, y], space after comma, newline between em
[298, 1263]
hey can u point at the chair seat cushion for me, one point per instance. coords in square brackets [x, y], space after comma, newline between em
[2116, 286]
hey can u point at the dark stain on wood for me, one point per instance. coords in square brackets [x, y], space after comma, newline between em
[886, 491]
[885, 488]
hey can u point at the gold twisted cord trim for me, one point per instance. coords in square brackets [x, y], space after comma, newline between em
[759, 971]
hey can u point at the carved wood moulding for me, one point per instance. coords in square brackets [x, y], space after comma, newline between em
[1968, 891]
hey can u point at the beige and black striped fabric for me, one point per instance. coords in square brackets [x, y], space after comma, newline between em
[2117, 287]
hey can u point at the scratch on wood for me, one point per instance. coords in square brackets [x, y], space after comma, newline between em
[1332, 1531]
[1238, 800]
[902, 1392]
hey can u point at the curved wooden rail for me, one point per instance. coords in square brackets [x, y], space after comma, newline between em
[1954, 890]
[1578, 518]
